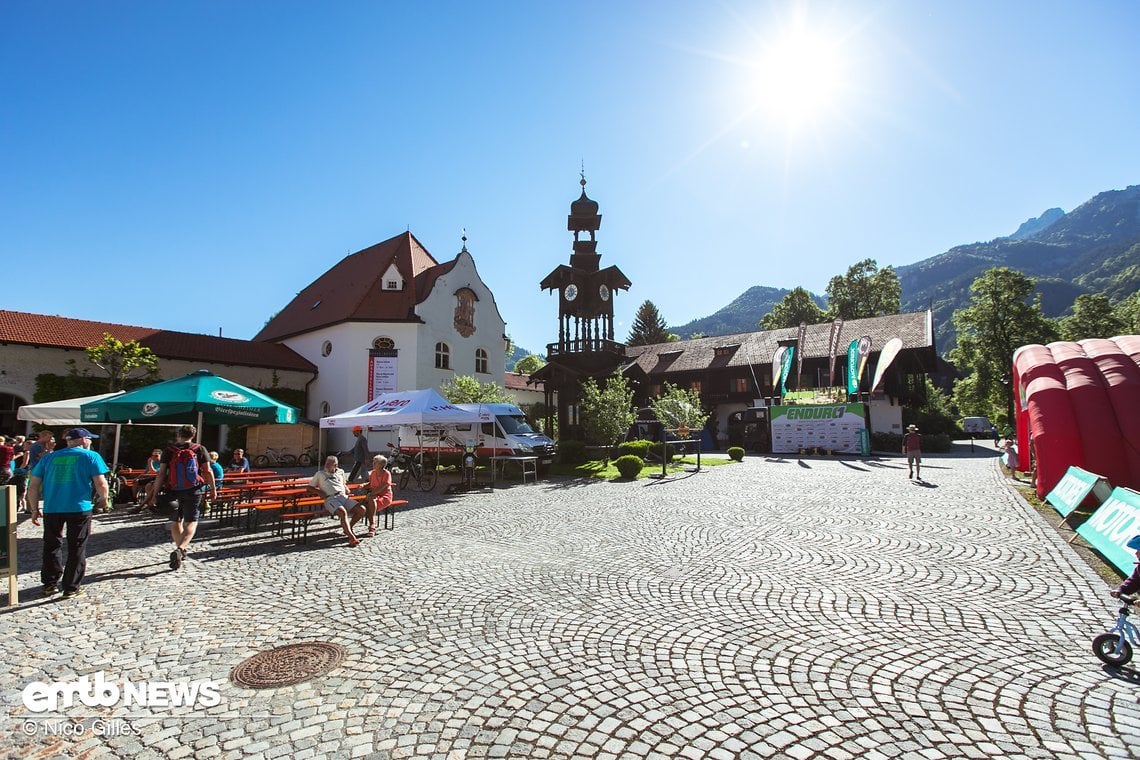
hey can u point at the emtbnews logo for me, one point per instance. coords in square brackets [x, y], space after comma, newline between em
[98, 691]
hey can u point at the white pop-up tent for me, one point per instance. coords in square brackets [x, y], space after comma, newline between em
[59, 413]
[421, 407]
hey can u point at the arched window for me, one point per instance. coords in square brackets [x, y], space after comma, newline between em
[481, 360]
[383, 342]
[442, 356]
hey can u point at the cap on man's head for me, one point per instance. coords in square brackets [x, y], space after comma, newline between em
[912, 427]
[1134, 542]
[76, 433]
[358, 429]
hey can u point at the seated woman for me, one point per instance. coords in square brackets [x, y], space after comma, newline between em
[380, 487]
[145, 483]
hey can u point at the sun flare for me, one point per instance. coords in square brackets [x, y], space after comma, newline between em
[800, 77]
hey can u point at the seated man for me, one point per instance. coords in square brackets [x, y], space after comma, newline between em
[332, 483]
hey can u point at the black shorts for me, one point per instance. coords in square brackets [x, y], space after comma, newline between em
[183, 505]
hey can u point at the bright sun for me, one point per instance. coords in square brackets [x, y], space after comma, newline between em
[800, 77]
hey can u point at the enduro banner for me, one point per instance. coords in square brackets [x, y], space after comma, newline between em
[786, 369]
[833, 349]
[777, 363]
[800, 354]
[833, 427]
[1072, 489]
[853, 367]
[886, 356]
[1111, 525]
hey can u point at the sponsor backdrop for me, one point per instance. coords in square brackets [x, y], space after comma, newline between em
[830, 426]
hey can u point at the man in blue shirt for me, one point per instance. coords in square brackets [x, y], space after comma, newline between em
[67, 479]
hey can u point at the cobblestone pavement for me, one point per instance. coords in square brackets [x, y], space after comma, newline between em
[777, 608]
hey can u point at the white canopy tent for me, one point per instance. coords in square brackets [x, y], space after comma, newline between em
[421, 408]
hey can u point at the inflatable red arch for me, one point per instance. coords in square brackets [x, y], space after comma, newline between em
[1079, 404]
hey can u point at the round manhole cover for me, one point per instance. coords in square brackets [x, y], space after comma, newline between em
[287, 665]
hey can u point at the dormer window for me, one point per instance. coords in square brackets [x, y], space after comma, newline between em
[392, 279]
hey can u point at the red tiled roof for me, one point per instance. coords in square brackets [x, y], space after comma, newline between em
[64, 332]
[515, 382]
[351, 290]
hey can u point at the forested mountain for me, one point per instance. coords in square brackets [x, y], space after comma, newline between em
[742, 315]
[1095, 248]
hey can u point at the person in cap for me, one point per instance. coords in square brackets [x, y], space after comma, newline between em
[66, 479]
[912, 448]
[363, 460]
[1132, 583]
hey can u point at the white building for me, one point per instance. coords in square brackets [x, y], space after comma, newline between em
[390, 317]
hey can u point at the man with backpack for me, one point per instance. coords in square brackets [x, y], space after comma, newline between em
[184, 472]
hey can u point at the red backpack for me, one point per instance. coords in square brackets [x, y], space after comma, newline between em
[182, 472]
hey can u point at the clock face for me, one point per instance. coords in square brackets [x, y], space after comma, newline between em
[603, 292]
[571, 292]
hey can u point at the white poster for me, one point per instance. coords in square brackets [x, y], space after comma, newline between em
[381, 372]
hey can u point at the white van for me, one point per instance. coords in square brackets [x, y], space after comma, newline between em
[502, 429]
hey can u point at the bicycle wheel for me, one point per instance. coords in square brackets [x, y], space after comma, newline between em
[261, 461]
[428, 476]
[288, 460]
[305, 460]
[405, 477]
[1104, 647]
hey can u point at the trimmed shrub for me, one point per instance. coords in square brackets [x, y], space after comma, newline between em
[891, 442]
[736, 453]
[638, 448]
[655, 449]
[571, 452]
[629, 465]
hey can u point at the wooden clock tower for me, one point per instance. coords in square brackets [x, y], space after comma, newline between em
[586, 347]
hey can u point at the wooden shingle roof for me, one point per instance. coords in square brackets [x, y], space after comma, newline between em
[351, 291]
[757, 348]
[77, 334]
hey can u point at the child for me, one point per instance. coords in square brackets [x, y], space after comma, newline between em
[1132, 584]
[379, 490]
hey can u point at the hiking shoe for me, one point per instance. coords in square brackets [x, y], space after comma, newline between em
[50, 589]
[176, 559]
[73, 592]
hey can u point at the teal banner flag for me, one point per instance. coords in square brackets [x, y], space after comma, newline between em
[786, 369]
[1072, 489]
[853, 367]
[1111, 525]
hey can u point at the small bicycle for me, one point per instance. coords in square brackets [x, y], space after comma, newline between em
[274, 457]
[307, 457]
[1115, 646]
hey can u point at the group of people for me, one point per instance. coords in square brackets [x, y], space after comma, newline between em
[18, 457]
[331, 482]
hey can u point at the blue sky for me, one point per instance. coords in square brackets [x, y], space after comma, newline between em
[194, 165]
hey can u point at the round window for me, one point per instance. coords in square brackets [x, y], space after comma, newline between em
[326, 348]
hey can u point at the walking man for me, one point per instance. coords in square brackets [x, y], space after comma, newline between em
[912, 448]
[362, 463]
[184, 471]
[66, 479]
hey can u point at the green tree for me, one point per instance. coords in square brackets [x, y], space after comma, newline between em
[999, 319]
[648, 327]
[1093, 317]
[607, 410]
[676, 408]
[466, 389]
[865, 291]
[797, 306]
[529, 364]
[122, 361]
[1128, 312]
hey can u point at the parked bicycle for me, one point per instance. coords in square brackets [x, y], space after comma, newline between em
[408, 468]
[307, 457]
[1115, 646]
[274, 457]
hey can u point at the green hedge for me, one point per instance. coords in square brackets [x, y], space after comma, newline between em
[735, 453]
[937, 443]
[638, 448]
[572, 452]
[629, 465]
